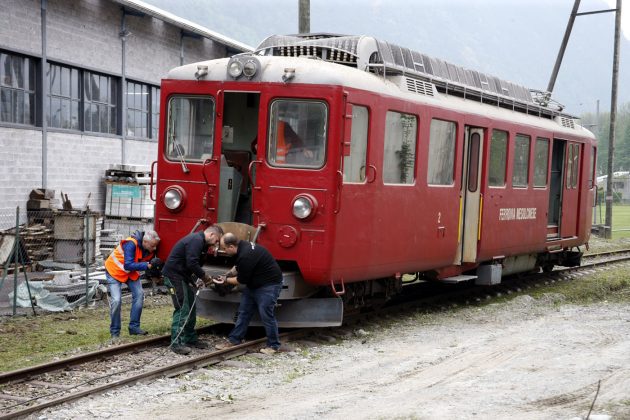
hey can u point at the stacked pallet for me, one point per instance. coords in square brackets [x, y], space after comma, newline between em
[38, 240]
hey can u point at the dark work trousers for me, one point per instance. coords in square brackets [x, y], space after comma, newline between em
[183, 326]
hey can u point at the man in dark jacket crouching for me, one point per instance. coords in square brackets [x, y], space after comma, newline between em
[257, 269]
[186, 259]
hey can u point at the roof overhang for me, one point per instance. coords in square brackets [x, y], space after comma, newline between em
[185, 25]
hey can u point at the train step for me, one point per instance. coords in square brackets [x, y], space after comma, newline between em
[458, 279]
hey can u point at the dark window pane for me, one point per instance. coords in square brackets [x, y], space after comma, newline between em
[55, 79]
[5, 70]
[65, 82]
[5, 105]
[498, 155]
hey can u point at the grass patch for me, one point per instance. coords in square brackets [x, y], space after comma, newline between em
[32, 340]
[611, 285]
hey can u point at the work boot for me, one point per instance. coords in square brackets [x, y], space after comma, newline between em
[198, 344]
[180, 349]
[225, 345]
[139, 331]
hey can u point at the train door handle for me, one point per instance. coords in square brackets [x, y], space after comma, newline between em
[373, 172]
[338, 192]
[206, 164]
[250, 169]
[151, 184]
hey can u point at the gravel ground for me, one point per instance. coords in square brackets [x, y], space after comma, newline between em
[525, 359]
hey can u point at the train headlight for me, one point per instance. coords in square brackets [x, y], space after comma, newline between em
[250, 68]
[235, 69]
[174, 198]
[304, 207]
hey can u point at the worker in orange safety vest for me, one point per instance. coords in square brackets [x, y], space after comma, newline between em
[134, 254]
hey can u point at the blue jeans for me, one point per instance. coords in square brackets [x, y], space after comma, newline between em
[137, 299]
[264, 300]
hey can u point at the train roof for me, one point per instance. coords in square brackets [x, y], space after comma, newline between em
[373, 55]
[335, 60]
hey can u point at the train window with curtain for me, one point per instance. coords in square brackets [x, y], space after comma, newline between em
[17, 89]
[190, 128]
[64, 97]
[541, 162]
[297, 133]
[498, 158]
[520, 174]
[100, 103]
[399, 156]
[441, 152]
[354, 165]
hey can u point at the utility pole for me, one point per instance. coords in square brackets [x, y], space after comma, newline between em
[563, 47]
[613, 119]
[305, 16]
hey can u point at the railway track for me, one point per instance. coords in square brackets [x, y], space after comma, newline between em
[29, 390]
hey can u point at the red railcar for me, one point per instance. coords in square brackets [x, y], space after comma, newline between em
[356, 161]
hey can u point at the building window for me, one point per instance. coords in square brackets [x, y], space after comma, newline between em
[498, 157]
[441, 153]
[399, 157]
[520, 176]
[17, 89]
[100, 103]
[155, 112]
[354, 164]
[143, 102]
[541, 161]
[64, 97]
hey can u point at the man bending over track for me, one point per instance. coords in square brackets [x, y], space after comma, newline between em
[258, 270]
[185, 260]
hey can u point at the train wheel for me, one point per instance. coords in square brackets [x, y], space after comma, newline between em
[547, 268]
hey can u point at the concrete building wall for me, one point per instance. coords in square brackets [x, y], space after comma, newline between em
[84, 34]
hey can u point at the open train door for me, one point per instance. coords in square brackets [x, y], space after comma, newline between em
[570, 202]
[470, 198]
[563, 193]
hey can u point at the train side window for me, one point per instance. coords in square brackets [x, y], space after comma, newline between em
[399, 156]
[498, 158]
[576, 165]
[592, 177]
[441, 152]
[297, 133]
[568, 181]
[541, 161]
[520, 174]
[190, 128]
[354, 164]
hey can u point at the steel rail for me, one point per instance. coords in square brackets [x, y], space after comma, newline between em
[19, 374]
[170, 370]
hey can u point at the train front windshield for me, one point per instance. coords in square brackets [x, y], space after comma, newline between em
[297, 133]
[190, 128]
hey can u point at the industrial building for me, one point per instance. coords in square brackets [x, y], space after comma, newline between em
[80, 90]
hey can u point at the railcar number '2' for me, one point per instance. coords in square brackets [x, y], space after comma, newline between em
[356, 161]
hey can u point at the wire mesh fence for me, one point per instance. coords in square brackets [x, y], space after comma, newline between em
[53, 259]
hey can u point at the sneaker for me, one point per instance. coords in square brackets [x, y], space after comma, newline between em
[225, 345]
[198, 345]
[268, 350]
[180, 349]
[115, 339]
[139, 331]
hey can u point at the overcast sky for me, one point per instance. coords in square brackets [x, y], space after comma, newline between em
[516, 40]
